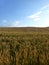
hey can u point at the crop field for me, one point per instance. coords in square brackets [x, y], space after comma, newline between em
[24, 46]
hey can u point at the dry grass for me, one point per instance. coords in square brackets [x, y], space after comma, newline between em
[24, 46]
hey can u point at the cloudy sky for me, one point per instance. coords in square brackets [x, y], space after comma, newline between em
[22, 13]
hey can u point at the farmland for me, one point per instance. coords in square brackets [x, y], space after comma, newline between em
[24, 46]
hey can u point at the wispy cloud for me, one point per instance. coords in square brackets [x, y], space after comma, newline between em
[37, 19]
[14, 23]
[44, 7]
[7, 23]
[47, 11]
[4, 21]
[36, 16]
[41, 16]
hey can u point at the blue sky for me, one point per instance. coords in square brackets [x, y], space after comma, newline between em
[23, 13]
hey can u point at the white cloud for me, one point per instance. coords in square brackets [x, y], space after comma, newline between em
[45, 23]
[7, 23]
[4, 21]
[37, 19]
[35, 16]
[14, 23]
[47, 11]
[44, 7]
[41, 16]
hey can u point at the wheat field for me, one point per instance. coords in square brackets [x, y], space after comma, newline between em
[24, 46]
